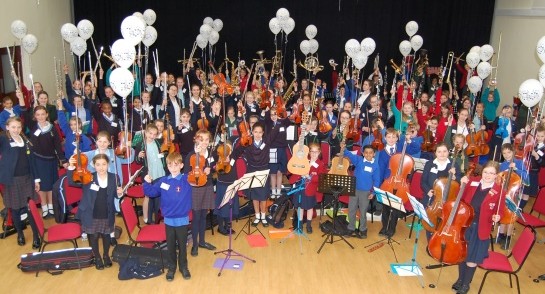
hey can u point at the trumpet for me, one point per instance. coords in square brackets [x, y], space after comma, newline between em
[277, 63]
[396, 67]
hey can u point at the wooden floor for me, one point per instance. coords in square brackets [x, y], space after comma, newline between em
[280, 268]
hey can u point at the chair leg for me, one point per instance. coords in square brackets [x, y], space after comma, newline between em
[41, 255]
[491, 242]
[518, 285]
[482, 283]
[510, 282]
[76, 252]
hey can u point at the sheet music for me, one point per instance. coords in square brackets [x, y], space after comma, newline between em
[389, 199]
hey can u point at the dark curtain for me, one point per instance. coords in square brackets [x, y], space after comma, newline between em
[446, 25]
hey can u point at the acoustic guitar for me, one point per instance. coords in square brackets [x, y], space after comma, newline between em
[339, 164]
[299, 163]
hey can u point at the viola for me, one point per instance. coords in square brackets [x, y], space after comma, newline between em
[524, 144]
[323, 124]
[81, 174]
[123, 150]
[244, 129]
[196, 177]
[265, 100]
[168, 135]
[397, 183]
[223, 166]
[511, 185]
[472, 140]
[429, 141]
[482, 136]
[296, 115]
[447, 244]
[280, 107]
[219, 79]
[202, 123]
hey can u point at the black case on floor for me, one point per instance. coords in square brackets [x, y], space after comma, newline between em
[144, 255]
[55, 262]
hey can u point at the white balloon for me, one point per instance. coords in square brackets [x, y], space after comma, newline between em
[274, 25]
[78, 46]
[85, 29]
[122, 81]
[202, 41]
[530, 92]
[150, 36]
[484, 69]
[217, 25]
[140, 16]
[205, 30]
[368, 46]
[411, 28]
[305, 46]
[486, 52]
[123, 53]
[288, 26]
[150, 17]
[214, 37]
[360, 60]
[313, 45]
[352, 47]
[69, 32]
[282, 14]
[405, 48]
[542, 75]
[472, 59]
[29, 43]
[18, 29]
[208, 20]
[133, 29]
[311, 31]
[416, 42]
[474, 84]
[476, 49]
[540, 48]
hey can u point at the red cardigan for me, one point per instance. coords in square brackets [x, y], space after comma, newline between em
[311, 190]
[488, 206]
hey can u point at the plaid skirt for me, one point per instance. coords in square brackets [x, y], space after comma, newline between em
[16, 194]
[203, 197]
[101, 225]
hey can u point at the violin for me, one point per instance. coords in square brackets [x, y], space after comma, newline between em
[223, 166]
[323, 124]
[444, 189]
[296, 115]
[265, 100]
[168, 135]
[202, 123]
[511, 182]
[429, 141]
[123, 150]
[524, 144]
[482, 136]
[219, 79]
[503, 122]
[447, 244]
[280, 107]
[244, 129]
[377, 143]
[397, 182]
[354, 128]
[472, 140]
[81, 173]
[196, 177]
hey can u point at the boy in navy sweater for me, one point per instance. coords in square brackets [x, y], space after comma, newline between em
[367, 173]
[175, 194]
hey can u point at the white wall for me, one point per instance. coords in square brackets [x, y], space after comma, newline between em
[522, 24]
[44, 21]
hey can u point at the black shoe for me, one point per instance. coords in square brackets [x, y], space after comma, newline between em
[113, 241]
[264, 223]
[223, 231]
[21, 240]
[309, 229]
[107, 261]
[208, 246]
[350, 234]
[36, 244]
[98, 263]
[463, 289]
[170, 275]
[362, 234]
[382, 232]
[185, 273]
[194, 251]
[506, 243]
[255, 222]
[457, 285]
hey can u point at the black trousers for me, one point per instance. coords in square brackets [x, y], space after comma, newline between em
[178, 234]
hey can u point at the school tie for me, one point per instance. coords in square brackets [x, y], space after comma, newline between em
[391, 150]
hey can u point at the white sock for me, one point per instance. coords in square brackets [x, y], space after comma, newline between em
[50, 207]
[262, 215]
[44, 207]
[112, 234]
[257, 216]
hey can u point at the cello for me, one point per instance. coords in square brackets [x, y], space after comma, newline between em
[510, 182]
[447, 244]
[397, 182]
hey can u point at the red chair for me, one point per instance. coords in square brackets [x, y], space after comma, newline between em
[539, 207]
[146, 235]
[68, 232]
[541, 177]
[241, 170]
[415, 191]
[73, 196]
[498, 262]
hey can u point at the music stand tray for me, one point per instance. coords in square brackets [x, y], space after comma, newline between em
[336, 185]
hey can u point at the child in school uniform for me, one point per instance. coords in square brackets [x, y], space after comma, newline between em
[176, 203]
[537, 162]
[503, 126]
[185, 133]
[278, 159]
[367, 173]
[69, 129]
[10, 110]
[107, 120]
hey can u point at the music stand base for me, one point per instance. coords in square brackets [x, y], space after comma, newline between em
[248, 230]
[228, 254]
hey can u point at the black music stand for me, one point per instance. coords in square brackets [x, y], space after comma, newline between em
[389, 199]
[336, 185]
[256, 179]
[228, 198]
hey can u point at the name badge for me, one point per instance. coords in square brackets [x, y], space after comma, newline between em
[165, 186]
[114, 124]
[232, 162]
[85, 123]
[94, 187]
[540, 153]
[282, 129]
[151, 107]
[160, 155]
[433, 170]
[210, 159]
[184, 130]
[262, 146]
[368, 169]
[362, 114]
[73, 114]
[37, 133]
[252, 110]
[75, 144]
[314, 164]
[474, 184]
[14, 144]
[114, 104]
[454, 131]
[446, 123]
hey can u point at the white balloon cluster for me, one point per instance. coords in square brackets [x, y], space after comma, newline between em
[540, 49]
[310, 46]
[29, 42]
[360, 51]
[478, 58]
[415, 42]
[283, 22]
[78, 36]
[531, 90]
[209, 32]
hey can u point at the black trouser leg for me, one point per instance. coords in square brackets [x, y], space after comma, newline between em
[202, 226]
[106, 244]
[171, 247]
[181, 237]
[93, 241]
[195, 224]
[17, 222]
[468, 275]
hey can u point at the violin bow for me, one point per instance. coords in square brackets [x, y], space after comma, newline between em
[115, 163]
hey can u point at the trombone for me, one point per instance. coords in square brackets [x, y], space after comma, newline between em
[448, 64]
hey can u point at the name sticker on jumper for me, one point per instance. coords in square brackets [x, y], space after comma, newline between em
[314, 164]
[474, 184]
[282, 129]
[184, 130]
[165, 186]
[114, 124]
[368, 169]
[37, 133]
[94, 187]
[262, 146]
[433, 170]
[232, 162]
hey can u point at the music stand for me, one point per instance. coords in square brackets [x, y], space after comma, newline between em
[388, 199]
[412, 268]
[228, 198]
[256, 179]
[299, 189]
[336, 185]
